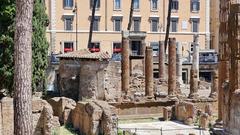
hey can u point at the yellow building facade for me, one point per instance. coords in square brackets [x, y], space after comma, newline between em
[112, 16]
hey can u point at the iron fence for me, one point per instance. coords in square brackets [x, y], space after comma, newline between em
[160, 131]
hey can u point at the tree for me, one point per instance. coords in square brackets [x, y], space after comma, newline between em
[23, 68]
[130, 16]
[39, 45]
[7, 14]
[168, 23]
[92, 21]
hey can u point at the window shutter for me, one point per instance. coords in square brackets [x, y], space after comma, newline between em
[177, 5]
[198, 4]
[191, 5]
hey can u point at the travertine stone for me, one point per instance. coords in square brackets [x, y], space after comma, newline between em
[161, 65]
[193, 84]
[179, 63]
[149, 72]
[204, 121]
[214, 87]
[167, 113]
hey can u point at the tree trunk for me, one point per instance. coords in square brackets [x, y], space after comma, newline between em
[130, 16]
[23, 68]
[92, 21]
[168, 23]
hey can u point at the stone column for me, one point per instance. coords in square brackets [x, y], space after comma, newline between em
[214, 88]
[194, 72]
[223, 59]
[125, 61]
[195, 62]
[179, 63]
[143, 53]
[193, 84]
[161, 64]
[172, 66]
[149, 72]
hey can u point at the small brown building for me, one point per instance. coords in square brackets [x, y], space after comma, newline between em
[84, 75]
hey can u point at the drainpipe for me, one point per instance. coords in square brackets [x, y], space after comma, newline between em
[106, 15]
[207, 29]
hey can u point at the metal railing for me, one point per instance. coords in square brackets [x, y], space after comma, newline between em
[159, 131]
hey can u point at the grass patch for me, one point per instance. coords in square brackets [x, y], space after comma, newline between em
[64, 130]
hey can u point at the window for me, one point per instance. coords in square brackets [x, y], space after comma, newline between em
[154, 24]
[136, 4]
[68, 3]
[195, 24]
[136, 24]
[155, 47]
[136, 47]
[94, 47]
[117, 4]
[117, 24]
[174, 5]
[68, 22]
[174, 23]
[117, 47]
[154, 4]
[97, 4]
[195, 5]
[68, 47]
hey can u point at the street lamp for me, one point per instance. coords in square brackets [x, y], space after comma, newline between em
[75, 11]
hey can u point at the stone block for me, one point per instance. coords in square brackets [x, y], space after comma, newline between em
[167, 113]
[184, 110]
[204, 121]
[7, 116]
[209, 109]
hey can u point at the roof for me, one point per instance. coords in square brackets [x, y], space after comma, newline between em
[85, 54]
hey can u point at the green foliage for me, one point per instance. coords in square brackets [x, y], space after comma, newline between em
[39, 45]
[7, 14]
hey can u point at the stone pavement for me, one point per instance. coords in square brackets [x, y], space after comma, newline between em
[168, 128]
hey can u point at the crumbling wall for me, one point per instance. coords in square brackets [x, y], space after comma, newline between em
[69, 78]
[112, 81]
[90, 79]
[43, 119]
[94, 117]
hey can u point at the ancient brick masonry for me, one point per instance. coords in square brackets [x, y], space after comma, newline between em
[172, 66]
[149, 72]
[125, 61]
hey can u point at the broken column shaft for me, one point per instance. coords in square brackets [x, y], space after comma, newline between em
[149, 72]
[179, 63]
[172, 66]
[195, 62]
[125, 62]
[194, 73]
[161, 64]
[214, 88]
